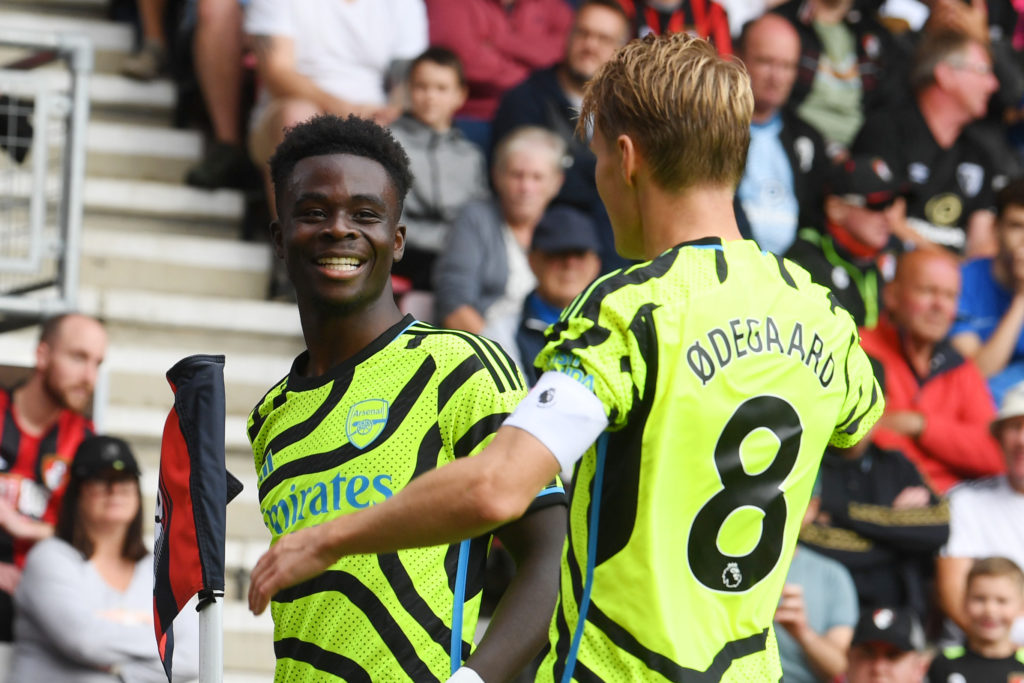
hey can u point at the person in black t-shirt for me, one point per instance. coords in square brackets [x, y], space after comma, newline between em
[952, 174]
[994, 599]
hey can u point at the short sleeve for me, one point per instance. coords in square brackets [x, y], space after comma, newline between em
[477, 407]
[594, 344]
[409, 29]
[268, 18]
[843, 598]
[863, 404]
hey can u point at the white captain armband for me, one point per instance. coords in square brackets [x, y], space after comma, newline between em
[563, 415]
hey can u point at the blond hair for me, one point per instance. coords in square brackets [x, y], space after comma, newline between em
[686, 108]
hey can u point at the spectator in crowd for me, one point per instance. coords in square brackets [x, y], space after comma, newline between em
[551, 97]
[888, 647]
[929, 139]
[993, 600]
[937, 406]
[856, 254]
[483, 273]
[990, 319]
[703, 18]
[882, 522]
[43, 421]
[330, 57]
[85, 602]
[987, 516]
[217, 57]
[499, 43]
[150, 59]
[847, 67]
[817, 613]
[781, 188]
[564, 260]
[448, 170]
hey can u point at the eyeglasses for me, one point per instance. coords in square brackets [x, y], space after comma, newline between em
[980, 69]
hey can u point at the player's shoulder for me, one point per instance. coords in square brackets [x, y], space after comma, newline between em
[464, 353]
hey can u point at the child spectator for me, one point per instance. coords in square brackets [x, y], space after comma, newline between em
[994, 599]
[449, 170]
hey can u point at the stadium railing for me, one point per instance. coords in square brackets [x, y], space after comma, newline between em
[44, 110]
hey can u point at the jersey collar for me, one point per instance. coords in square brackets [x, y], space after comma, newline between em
[298, 382]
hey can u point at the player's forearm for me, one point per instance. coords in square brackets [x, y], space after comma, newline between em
[461, 500]
[519, 627]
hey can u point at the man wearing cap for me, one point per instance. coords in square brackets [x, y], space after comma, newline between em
[42, 421]
[991, 311]
[986, 516]
[938, 408]
[888, 647]
[564, 257]
[856, 255]
[781, 188]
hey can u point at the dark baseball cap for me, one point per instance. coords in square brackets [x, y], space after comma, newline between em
[865, 181]
[896, 626]
[563, 228]
[98, 455]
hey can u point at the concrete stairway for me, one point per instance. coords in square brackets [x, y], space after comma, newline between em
[162, 266]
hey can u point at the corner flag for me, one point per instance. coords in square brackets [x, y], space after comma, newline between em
[195, 487]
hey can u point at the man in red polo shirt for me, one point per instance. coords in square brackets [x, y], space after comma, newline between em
[41, 424]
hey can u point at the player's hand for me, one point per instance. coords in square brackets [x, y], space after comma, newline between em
[912, 497]
[293, 559]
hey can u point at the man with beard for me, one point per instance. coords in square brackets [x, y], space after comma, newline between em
[41, 424]
[551, 98]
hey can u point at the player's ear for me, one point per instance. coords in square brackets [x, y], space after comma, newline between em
[399, 250]
[629, 157]
[277, 238]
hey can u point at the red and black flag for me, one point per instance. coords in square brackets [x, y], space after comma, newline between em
[195, 487]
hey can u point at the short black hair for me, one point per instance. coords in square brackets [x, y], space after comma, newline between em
[1011, 195]
[330, 134]
[441, 56]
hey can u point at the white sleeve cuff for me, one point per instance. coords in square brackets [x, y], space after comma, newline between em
[563, 415]
[465, 675]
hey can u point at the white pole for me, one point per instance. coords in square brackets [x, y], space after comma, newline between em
[211, 642]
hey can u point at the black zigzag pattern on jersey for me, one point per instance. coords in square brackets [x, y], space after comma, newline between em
[257, 418]
[784, 272]
[658, 662]
[389, 630]
[483, 428]
[301, 430]
[853, 423]
[401, 583]
[493, 357]
[456, 378]
[721, 267]
[621, 487]
[320, 659]
[320, 462]
[428, 452]
[591, 308]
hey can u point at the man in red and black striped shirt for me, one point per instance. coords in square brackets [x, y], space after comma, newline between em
[41, 424]
[705, 19]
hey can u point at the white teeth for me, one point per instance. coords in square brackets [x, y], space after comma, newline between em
[343, 263]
